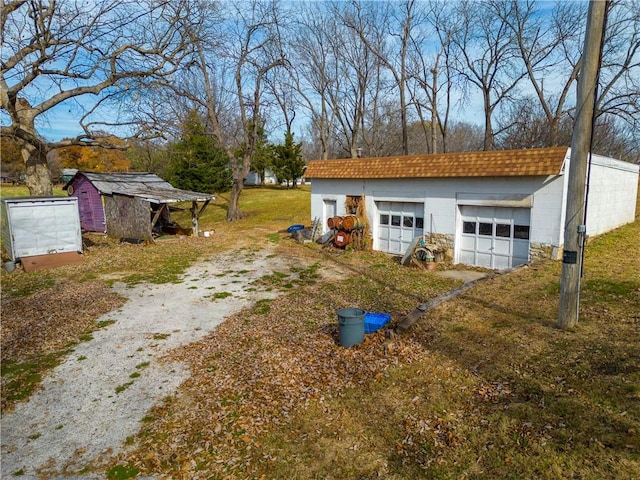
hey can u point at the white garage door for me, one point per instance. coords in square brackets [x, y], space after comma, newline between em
[494, 237]
[398, 224]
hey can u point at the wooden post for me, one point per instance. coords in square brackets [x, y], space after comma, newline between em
[194, 218]
[574, 230]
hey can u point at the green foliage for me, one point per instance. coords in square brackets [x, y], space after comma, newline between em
[123, 387]
[197, 163]
[21, 378]
[11, 162]
[148, 156]
[122, 472]
[288, 164]
[263, 153]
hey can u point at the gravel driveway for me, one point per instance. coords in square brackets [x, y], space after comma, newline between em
[91, 403]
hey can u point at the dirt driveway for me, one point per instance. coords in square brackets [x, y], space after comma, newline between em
[95, 400]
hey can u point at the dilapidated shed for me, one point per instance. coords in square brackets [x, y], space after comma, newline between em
[131, 205]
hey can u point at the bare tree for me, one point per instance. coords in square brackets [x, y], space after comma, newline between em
[548, 48]
[312, 57]
[354, 70]
[374, 25]
[235, 47]
[431, 72]
[619, 82]
[84, 55]
[487, 58]
[336, 76]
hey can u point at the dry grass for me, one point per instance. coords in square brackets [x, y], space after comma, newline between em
[485, 386]
[64, 302]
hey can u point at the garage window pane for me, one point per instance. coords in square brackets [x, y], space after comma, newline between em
[469, 227]
[384, 219]
[486, 228]
[407, 222]
[521, 231]
[503, 230]
[419, 222]
[395, 220]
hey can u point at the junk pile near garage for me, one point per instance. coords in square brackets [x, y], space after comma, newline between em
[303, 234]
[423, 254]
[349, 231]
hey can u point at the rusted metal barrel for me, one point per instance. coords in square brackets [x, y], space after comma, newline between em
[351, 222]
[342, 239]
[334, 222]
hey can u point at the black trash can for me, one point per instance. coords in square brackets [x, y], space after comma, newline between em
[350, 326]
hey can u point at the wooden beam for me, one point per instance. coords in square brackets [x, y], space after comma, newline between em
[406, 322]
[204, 205]
[156, 217]
[194, 218]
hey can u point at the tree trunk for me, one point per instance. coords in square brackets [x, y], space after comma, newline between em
[434, 113]
[240, 173]
[488, 127]
[233, 212]
[554, 126]
[38, 177]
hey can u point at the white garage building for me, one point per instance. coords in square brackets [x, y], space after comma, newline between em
[495, 209]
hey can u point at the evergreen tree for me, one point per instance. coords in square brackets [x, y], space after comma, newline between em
[197, 163]
[262, 158]
[288, 162]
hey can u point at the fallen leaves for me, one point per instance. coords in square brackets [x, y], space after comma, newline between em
[254, 370]
[54, 318]
[38, 327]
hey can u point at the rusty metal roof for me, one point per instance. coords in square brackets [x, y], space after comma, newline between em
[493, 163]
[147, 186]
[167, 195]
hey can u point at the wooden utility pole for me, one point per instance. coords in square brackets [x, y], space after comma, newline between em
[575, 229]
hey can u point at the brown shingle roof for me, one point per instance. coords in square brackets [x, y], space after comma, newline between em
[494, 163]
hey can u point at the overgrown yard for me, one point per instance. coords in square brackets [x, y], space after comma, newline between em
[484, 386]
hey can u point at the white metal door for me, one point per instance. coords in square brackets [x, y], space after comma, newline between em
[493, 237]
[330, 208]
[398, 223]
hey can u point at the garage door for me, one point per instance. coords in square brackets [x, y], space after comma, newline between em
[398, 224]
[494, 237]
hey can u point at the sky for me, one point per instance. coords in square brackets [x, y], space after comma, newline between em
[63, 120]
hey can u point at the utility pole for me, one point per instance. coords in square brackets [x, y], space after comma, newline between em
[575, 229]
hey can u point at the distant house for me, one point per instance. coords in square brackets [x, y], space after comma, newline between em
[254, 178]
[130, 205]
[494, 209]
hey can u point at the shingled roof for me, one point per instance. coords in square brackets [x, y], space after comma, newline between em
[494, 163]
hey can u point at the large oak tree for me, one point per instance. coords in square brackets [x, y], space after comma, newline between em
[81, 56]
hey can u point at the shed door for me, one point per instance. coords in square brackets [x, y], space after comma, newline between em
[330, 210]
[493, 237]
[398, 224]
[92, 215]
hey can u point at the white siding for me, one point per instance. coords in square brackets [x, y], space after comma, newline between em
[439, 197]
[613, 188]
[547, 214]
[612, 199]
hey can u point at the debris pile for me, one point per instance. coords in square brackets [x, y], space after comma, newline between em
[351, 230]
